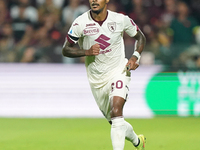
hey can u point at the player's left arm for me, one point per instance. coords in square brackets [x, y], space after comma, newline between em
[133, 62]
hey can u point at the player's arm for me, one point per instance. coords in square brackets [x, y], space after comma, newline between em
[140, 42]
[70, 51]
[133, 62]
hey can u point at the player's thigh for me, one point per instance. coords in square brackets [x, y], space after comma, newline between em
[119, 86]
[101, 96]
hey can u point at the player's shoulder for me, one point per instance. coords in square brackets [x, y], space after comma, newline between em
[83, 17]
[117, 16]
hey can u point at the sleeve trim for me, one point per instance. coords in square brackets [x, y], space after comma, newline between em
[69, 39]
[73, 38]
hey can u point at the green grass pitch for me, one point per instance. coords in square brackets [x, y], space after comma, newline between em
[163, 133]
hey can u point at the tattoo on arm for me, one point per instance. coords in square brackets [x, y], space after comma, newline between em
[141, 41]
[70, 51]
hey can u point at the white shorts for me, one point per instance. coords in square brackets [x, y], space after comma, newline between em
[118, 86]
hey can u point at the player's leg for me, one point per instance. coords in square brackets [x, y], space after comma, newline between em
[120, 129]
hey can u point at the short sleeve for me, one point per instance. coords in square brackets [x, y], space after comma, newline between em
[130, 27]
[75, 32]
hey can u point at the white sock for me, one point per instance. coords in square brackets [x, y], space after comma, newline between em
[130, 134]
[118, 130]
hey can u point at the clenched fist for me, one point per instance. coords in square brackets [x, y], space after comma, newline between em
[94, 50]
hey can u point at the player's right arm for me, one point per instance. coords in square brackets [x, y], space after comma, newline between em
[73, 36]
[70, 51]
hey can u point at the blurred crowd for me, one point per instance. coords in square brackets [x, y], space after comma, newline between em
[35, 30]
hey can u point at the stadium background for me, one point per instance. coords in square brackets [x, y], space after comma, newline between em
[36, 81]
[33, 70]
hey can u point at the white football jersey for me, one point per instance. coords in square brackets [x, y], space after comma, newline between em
[109, 35]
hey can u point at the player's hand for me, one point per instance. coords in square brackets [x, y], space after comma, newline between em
[132, 63]
[94, 50]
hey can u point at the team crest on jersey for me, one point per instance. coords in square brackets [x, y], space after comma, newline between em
[112, 26]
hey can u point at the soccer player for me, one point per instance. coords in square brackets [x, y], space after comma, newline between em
[99, 33]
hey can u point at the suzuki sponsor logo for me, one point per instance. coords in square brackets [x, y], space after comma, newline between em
[106, 51]
[91, 31]
[102, 40]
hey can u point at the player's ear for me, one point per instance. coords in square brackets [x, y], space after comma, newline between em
[107, 1]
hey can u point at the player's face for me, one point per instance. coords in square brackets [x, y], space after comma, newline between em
[98, 5]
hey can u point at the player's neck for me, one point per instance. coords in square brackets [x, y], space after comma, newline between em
[100, 16]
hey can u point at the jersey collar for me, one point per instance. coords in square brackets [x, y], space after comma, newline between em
[99, 22]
